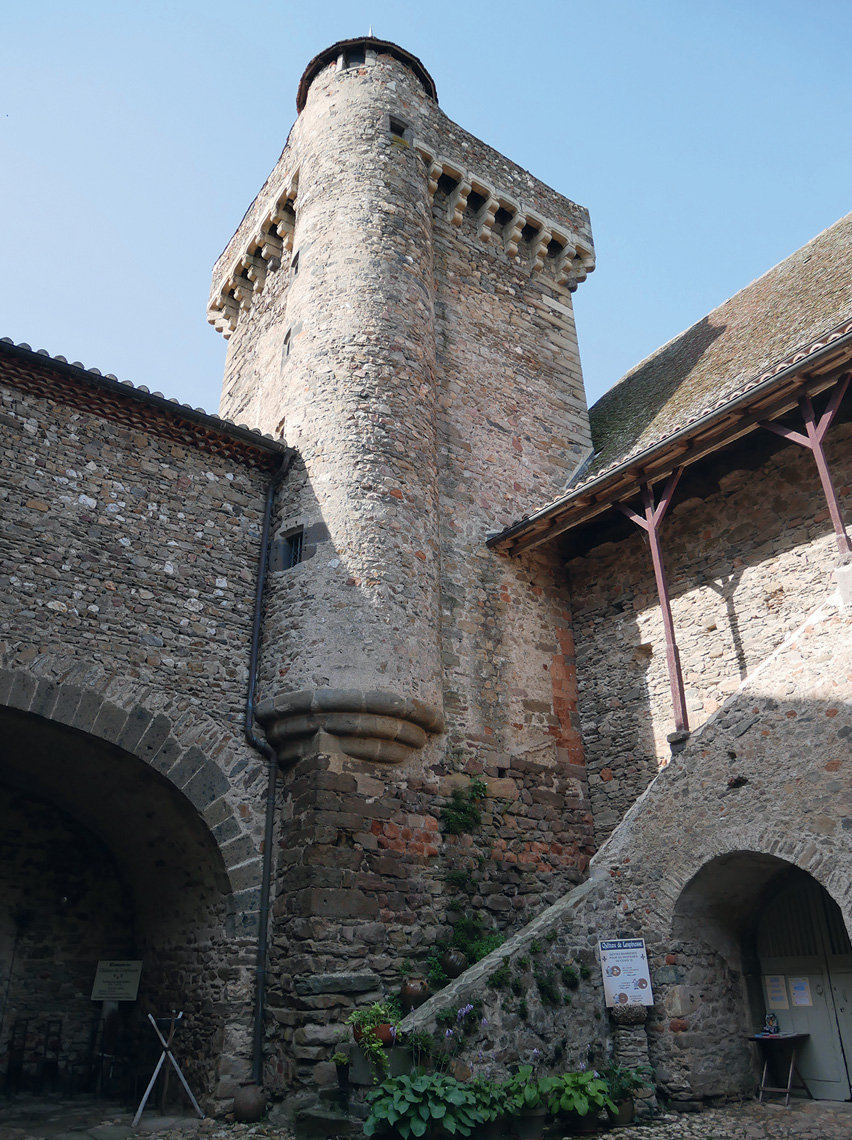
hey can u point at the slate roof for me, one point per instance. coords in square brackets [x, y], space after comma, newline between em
[726, 352]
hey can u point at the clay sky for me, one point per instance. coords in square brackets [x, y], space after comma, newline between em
[708, 140]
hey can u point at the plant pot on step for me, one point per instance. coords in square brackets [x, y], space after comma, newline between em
[577, 1125]
[383, 1032]
[529, 1123]
[249, 1102]
[625, 1114]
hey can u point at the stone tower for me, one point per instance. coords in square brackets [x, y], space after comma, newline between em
[398, 306]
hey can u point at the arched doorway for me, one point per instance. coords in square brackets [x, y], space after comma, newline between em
[743, 918]
[806, 968]
[101, 857]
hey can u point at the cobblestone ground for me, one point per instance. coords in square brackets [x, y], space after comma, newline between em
[821, 1120]
[804, 1120]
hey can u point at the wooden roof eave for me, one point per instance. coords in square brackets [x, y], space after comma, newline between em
[767, 401]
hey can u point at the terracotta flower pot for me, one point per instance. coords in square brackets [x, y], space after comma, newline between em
[384, 1033]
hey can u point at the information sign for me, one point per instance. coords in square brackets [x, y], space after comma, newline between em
[116, 981]
[800, 990]
[624, 967]
[776, 991]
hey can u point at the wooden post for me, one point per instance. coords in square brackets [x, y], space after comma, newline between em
[654, 515]
[813, 442]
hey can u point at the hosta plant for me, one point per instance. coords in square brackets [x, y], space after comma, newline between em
[411, 1105]
[580, 1092]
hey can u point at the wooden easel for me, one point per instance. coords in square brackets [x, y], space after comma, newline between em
[166, 1053]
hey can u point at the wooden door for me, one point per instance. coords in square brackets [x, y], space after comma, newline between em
[801, 937]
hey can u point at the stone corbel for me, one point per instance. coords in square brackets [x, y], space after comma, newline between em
[365, 724]
[243, 291]
[270, 245]
[485, 217]
[435, 172]
[565, 262]
[457, 202]
[223, 315]
[539, 244]
[284, 219]
[256, 268]
[513, 229]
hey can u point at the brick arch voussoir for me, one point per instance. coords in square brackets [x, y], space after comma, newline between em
[150, 737]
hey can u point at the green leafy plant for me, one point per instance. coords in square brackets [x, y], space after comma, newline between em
[500, 978]
[365, 1028]
[623, 1082]
[523, 963]
[413, 1104]
[552, 935]
[585, 972]
[523, 1090]
[535, 946]
[457, 878]
[491, 1098]
[340, 1059]
[478, 788]
[547, 988]
[446, 1016]
[581, 1092]
[570, 977]
[523, 1009]
[461, 815]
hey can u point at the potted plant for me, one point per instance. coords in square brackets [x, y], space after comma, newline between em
[341, 1061]
[413, 1105]
[623, 1084]
[373, 1029]
[492, 1102]
[525, 1102]
[578, 1098]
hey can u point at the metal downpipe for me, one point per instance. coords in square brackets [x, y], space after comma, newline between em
[264, 748]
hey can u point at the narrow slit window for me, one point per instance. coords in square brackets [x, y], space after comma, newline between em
[292, 553]
[286, 552]
[294, 264]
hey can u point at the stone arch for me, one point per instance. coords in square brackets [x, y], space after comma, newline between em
[152, 737]
[803, 850]
[84, 771]
[711, 993]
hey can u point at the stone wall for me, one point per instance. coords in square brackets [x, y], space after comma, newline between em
[129, 557]
[757, 792]
[746, 553]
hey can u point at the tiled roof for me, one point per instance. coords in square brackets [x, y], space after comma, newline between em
[727, 352]
[37, 370]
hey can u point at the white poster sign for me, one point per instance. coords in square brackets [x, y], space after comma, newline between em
[800, 991]
[116, 981]
[624, 968]
[776, 991]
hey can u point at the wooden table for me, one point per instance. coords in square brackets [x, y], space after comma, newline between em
[794, 1041]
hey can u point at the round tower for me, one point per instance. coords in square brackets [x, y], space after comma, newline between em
[336, 351]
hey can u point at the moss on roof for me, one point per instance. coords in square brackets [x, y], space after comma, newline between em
[721, 355]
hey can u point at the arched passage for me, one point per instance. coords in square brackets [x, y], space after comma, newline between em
[102, 857]
[735, 910]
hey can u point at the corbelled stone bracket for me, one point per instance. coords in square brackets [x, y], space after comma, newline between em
[368, 725]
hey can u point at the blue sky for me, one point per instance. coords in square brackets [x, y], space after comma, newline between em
[708, 140]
